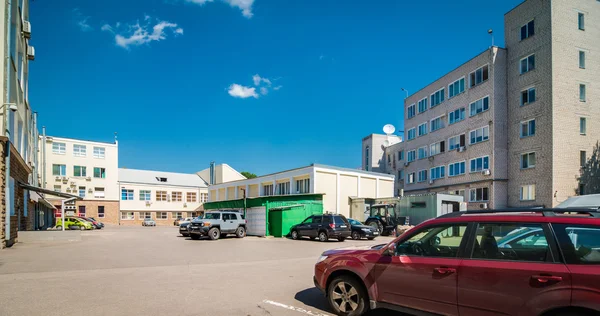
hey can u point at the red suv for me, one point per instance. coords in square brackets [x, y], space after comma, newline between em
[534, 262]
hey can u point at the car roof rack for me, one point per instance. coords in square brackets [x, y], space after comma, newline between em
[593, 212]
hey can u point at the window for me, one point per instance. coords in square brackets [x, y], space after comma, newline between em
[527, 128]
[582, 92]
[582, 125]
[99, 152]
[161, 179]
[176, 197]
[79, 151]
[367, 158]
[401, 155]
[178, 214]
[582, 159]
[479, 135]
[581, 21]
[479, 106]
[81, 210]
[145, 215]
[127, 216]
[59, 170]
[410, 178]
[422, 129]
[437, 148]
[581, 59]
[438, 241]
[191, 197]
[81, 192]
[480, 164]
[79, 171]
[456, 88]
[203, 197]
[479, 195]
[411, 156]
[161, 196]
[478, 76]
[437, 97]
[527, 192]
[145, 195]
[422, 176]
[284, 188]
[267, 189]
[422, 152]
[456, 141]
[457, 192]
[527, 30]
[527, 96]
[101, 211]
[456, 169]
[99, 193]
[59, 148]
[57, 188]
[99, 172]
[162, 215]
[528, 160]
[527, 64]
[436, 124]
[423, 105]
[437, 172]
[126, 195]
[456, 116]
[583, 243]
[400, 175]
[411, 111]
[511, 242]
[303, 186]
[389, 160]
[411, 134]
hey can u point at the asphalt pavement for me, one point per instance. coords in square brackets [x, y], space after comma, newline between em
[155, 271]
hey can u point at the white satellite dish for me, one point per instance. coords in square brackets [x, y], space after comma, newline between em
[389, 129]
[386, 143]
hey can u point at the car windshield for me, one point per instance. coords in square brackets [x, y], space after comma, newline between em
[212, 216]
[354, 222]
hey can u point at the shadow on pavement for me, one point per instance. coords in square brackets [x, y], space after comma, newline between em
[314, 298]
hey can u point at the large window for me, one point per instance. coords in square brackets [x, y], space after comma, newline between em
[582, 243]
[303, 186]
[528, 128]
[528, 160]
[456, 141]
[582, 158]
[101, 211]
[478, 76]
[126, 195]
[528, 30]
[422, 129]
[581, 59]
[59, 148]
[79, 150]
[479, 106]
[456, 169]
[582, 125]
[162, 215]
[176, 197]
[81, 192]
[582, 92]
[527, 96]
[127, 216]
[401, 155]
[479, 195]
[59, 170]
[411, 155]
[423, 105]
[437, 97]
[161, 196]
[527, 64]
[411, 133]
[411, 111]
[422, 176]
[437, 148]
[436, 124]
[437, 172]
[410, 178]
[99, 152]
[283, 188]
[99, 172]
[456, 116]
[581, 21]
[456, 88]
[527, 192]
[268, 190]
[79, 171]
[145, 195]
[438, 241]
[511, 242]
[422, 152]
[204, 197]
[145, 215]
[479, 135]
[99, 193]
[480, 164]
[191, 197]
[400, 175]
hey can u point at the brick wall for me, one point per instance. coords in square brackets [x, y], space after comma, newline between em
[3, 210]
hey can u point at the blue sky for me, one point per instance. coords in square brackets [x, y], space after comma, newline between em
[177, 78]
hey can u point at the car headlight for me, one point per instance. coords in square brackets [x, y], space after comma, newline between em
[321, 258]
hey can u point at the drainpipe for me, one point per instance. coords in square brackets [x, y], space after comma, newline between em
[6, 131]
[43, 156]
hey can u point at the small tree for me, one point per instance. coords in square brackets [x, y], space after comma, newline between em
[248, 175]
[589, 180]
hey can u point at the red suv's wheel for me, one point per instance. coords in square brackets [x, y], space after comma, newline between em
[347, 296]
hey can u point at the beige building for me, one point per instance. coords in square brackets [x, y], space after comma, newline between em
[385, 154]
[219, 174]
[337, 185]
[84, 168]
[161, 196]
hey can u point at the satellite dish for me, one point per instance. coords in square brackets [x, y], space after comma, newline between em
[389, 129]
[386, 143]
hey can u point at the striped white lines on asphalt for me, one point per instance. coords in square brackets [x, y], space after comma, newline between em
[293, 308]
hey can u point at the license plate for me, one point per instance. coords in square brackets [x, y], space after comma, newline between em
[343, 226]
[375, 233]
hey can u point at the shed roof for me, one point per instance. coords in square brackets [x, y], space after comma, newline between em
[153, 178]
[583, 201]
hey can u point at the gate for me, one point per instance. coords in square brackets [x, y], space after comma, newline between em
[257, 221]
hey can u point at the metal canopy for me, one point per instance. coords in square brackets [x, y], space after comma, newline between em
[50, 192]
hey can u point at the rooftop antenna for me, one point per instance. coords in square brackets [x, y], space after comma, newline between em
[491, 32]
[388, 129]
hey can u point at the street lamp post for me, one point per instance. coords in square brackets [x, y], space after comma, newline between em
[405, 91]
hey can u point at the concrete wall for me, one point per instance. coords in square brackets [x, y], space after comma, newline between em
[223, 173]
[326, 183]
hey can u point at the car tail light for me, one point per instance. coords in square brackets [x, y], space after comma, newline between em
[332, 225]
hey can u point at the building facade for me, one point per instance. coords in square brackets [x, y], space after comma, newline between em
[88, 169]
[337, 185]
[161, 196]
[373, 149]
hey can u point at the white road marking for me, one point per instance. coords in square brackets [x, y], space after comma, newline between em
[293, 308]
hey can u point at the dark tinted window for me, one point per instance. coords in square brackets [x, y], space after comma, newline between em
[340, 220]
[317, 219]
[308, 220]
[580, 243]
[514, 242]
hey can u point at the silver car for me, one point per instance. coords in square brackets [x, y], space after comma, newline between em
[148, 222]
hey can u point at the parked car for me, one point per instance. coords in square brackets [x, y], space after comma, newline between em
[218, 224]
[176, 221]
[148, 222]
[95, 224]
[185, 224]
[73, 221]
[99, 222]
[362, 231]
[323, 227]
[541, 262]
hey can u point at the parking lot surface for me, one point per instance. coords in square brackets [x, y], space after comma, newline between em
[155, 271]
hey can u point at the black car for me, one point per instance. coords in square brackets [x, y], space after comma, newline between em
[323, 227]
[362, 231]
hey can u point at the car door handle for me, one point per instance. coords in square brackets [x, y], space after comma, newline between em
[444, 270]
[544, 279]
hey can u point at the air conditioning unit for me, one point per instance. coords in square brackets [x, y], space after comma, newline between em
[65, 178]
[431, 158]
[72, 182]
[184, 204]
[431, 181]
[26, 29]
[89, 178]
[57, 178]
[406, 164]
[461, 149]
[30, 53]
[68, 190]
[486, 172]
[148, 203]
[483, 205]
[90, 191]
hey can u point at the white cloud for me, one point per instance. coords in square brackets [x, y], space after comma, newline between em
[244, 5]
[137, 34]
[200, 2]
[179, 31]
[258, 79]
[107, 27]
[82, 21]
[277, 88]
[264, 90]
[239, 91]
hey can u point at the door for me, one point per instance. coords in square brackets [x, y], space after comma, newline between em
[512, 269]
[422, 274]
[229, 224]
[256, 221]
[317, 224]
[304, 227]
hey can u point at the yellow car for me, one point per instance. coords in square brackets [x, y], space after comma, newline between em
[72, 221]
